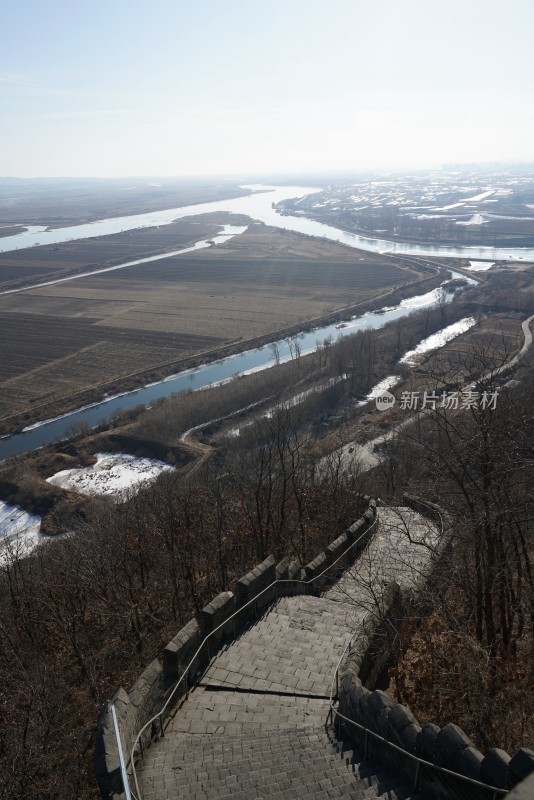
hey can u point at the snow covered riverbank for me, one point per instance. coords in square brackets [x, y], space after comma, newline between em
[115, 475]
[19, 532]
[437, 340]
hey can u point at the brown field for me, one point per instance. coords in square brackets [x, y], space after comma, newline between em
[25, 267]
[121, 329]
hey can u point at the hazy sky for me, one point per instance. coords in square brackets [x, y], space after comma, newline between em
[182, 87]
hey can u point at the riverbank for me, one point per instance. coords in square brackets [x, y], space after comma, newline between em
[475, 236]
[11, 230]
[64, 202]
[39, 412]
[157, 433]
[126, 325]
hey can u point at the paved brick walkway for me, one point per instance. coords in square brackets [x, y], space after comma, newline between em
[255, 727]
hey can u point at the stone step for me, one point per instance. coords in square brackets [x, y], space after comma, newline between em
[288, 766]
[300, 764]
[191, 749]
[233, 712]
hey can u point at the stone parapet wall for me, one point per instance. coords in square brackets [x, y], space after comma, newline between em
[252, 594]
[449, 746]
[133, 709]
[523, 790]
[180, 650]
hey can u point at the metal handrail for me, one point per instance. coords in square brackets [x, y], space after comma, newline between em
[122, 763]
[159, 715]
[334, 714]
[420, 761]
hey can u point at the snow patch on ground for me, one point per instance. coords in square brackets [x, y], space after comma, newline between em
[19, 532]
[293, 401]
[115, 474]
[437, 340]
[476, 219]
[480, 266]
[382, 386]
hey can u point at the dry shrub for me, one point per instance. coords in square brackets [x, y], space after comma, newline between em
[447, 676]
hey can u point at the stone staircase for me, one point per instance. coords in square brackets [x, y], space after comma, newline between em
[255, 727]
[281, 763]
[291, 649]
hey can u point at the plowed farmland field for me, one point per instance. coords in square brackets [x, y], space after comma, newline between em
[67, 344]
[47, 262]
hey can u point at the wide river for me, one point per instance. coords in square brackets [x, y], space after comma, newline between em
[258, 206]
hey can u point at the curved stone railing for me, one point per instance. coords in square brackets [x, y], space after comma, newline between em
[414, 748]
[141, 712]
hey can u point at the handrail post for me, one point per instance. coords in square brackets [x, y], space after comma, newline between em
[337, 683]
[124, 773]
[162, 732]
[416, 781]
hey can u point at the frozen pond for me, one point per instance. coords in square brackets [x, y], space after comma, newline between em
[480, 266]
[115, 475]
[382, 386]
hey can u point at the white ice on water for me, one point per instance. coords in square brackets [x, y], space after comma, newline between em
[382, 386]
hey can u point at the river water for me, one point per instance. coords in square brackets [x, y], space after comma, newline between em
[258, 206]
[227, 233]
[209, 374]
